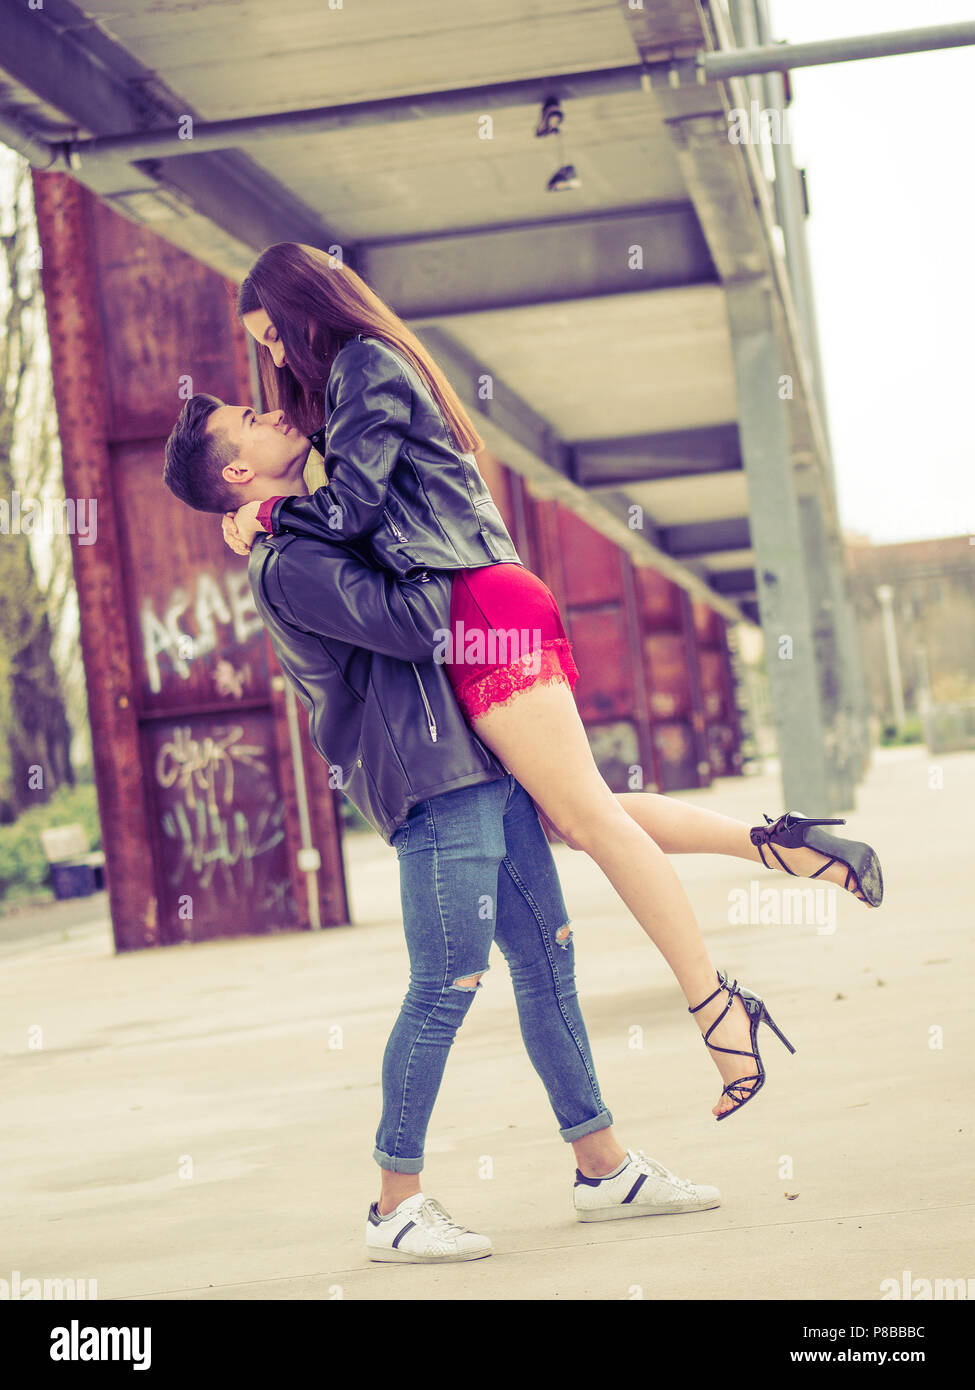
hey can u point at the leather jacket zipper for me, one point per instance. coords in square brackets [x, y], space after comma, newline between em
[431, 722]
[422, 576]
[394, 528]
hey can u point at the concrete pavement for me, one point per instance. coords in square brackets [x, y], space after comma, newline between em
[198, 1121]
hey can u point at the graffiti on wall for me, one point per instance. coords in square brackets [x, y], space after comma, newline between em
[222, 816]
[188, 626]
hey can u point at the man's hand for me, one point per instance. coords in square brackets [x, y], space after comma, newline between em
[240, 527]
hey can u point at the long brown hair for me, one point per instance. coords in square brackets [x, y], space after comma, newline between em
[317, 304]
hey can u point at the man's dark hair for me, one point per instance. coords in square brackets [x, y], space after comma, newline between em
[195, 459]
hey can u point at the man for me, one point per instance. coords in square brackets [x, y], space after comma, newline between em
[475, 865]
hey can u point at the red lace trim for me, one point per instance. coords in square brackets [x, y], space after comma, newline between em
[482, 692]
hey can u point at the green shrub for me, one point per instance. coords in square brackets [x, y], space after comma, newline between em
[910, 731]
[24, 868]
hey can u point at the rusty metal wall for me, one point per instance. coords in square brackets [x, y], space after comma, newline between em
[193, 768]
[655, 688]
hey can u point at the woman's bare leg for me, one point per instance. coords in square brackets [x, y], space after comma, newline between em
[679, 828]
[540, 738]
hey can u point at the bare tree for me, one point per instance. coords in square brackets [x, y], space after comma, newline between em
[35, 736]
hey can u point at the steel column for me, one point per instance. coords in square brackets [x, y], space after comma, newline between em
[783, 590]
[829, 655]
[853, 738]
[81, 397]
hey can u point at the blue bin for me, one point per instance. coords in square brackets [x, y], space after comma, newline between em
[73, 880]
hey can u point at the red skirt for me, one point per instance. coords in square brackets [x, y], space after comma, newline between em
[506, 635]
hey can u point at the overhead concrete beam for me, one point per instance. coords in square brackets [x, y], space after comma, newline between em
[72, 66]
[567, 258]
[735, 583]
[700, 538]
[649, 458]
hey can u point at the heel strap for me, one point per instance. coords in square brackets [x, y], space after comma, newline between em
[698, 1007]
[732, 989]
[722, 984]
[776, 830]
[788, 821]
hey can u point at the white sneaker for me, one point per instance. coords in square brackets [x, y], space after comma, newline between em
[643, 1188]
[419, 1231]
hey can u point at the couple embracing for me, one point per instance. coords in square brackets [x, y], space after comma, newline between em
[457, 751]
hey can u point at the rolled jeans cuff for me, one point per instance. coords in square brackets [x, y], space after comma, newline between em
[398, 1165]
[601, 1121]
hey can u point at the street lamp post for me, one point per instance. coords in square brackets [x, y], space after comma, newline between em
[885, 597]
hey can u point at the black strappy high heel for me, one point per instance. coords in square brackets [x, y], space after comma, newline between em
[748, 1086]
[794, 830]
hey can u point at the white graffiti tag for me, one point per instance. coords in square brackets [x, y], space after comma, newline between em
[210, 605]
[197, 764]
[208, 840]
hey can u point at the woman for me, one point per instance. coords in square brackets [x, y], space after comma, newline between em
[328, 346]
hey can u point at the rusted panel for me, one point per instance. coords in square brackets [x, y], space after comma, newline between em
[670, 687]
[549, 563]
[519, 526]
[676, 753]
[190, 611]
[324, 803]
[733, 713]
[678, 727]
[658, 599]
[212, 823]
[588, 575]
[699, 727]
[81, 396]
[648, 757]
[170, 329]
[720, 708]
[222, 855]
[707, 624]
[671, 708]
[638, 643]
[592, 563]
[604, 689]
[712, 684]
[499, 484]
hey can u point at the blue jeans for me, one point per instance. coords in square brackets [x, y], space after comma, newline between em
[475, 867]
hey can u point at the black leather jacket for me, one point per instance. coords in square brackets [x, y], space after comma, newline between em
[397, 486]
[357, 645]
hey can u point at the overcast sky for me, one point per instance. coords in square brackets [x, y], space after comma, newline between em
[889, 149]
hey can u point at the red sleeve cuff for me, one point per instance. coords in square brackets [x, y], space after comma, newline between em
[264, 512]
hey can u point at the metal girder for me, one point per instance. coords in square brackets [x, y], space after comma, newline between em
[735, 582]
[17, 135]
[539, 262]
[136, 144]
[745, 62]
[696, 539]
[651, 458]
[73, 67]
[383, 111]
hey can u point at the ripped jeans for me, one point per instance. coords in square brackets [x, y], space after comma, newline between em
[475, 867]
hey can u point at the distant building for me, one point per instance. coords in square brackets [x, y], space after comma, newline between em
[931, 600]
